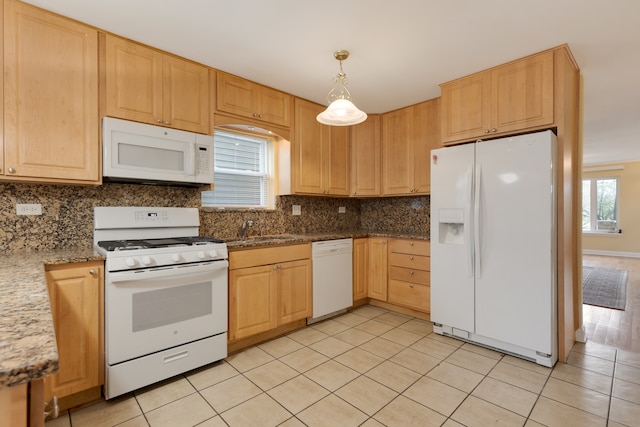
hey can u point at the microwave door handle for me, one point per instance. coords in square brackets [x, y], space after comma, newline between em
[191, 167]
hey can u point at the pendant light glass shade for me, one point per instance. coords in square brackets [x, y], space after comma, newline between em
[341, 111]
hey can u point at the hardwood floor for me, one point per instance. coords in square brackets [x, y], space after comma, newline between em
[615, 328]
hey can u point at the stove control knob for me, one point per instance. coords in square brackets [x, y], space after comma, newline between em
[201, 255]
[146, 260]
[213, 253]
[175, 257]
[131, 262]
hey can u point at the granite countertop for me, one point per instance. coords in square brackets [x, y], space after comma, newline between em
[287, 239]
[28, 348]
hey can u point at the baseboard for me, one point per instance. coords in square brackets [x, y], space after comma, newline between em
[611, 253]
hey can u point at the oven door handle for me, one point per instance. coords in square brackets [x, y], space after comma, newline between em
[165, 272]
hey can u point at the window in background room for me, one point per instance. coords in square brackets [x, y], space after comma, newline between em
[243, 174]
[600, 205]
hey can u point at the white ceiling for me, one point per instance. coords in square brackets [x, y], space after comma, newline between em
[400, 50]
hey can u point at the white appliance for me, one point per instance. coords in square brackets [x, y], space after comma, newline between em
[332, 262]
[165, 295]
[493, 244]
[137, 152]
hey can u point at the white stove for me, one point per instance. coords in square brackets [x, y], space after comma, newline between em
[165, 294]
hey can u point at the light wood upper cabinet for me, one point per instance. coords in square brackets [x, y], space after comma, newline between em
[320, 153]
[365, 157]
[268, 287]
[76, 296]
[51, 124]
[245, 98]
[408, 135]
[148, 86]
[508, 98]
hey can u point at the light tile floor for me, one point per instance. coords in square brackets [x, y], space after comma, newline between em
[372, 367]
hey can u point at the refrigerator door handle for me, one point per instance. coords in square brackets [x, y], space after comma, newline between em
[468, 226]
[477, 222]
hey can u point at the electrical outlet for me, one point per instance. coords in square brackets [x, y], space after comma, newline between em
[29, 209]
[342, 209]
[296, 210]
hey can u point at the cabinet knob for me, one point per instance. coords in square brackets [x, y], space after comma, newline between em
[494, 130]
[411, 258]
[486, 131]
[93, 272]
[167, 122]
[260, 115]
[411, 272]
[410, 243]
[411, 285]
[11, 170]
[159, 120]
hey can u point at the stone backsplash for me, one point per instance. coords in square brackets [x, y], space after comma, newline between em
[67, 214]
[67, 211]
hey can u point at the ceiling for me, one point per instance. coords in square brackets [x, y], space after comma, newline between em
[400, 50]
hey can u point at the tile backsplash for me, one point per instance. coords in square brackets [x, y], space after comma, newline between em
[67, 213]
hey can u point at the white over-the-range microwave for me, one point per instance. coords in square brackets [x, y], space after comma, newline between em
[141, 153]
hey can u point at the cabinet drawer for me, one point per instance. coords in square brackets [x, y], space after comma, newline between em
[410, 295]
[410, 246]
[243, 258]
[417, 262]
[410, 275]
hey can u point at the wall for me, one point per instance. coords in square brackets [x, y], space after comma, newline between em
[627, 243]
[67, 214]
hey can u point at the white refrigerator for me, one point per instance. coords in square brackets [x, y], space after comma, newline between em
[493, 244]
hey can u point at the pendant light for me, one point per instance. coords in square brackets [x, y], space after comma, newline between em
[341, 111]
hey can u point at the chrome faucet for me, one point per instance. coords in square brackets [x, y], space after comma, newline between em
[245, 228]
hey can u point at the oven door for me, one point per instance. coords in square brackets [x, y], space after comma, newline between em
[158, 308]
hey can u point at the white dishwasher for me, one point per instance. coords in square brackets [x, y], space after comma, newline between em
[332, 278]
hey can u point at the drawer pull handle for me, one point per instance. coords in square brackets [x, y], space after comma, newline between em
[177, 356]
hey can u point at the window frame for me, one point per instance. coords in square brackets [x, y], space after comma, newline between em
[593, 205]
[268, 167]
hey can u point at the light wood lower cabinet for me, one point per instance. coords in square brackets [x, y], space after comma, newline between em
[378, 268]
[76, 294]
[409, 266]
[268, 287]
[360, 268]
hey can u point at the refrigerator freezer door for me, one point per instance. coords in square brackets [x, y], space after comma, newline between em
[452, 282]
[515, 259]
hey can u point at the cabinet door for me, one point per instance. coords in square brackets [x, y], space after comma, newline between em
[397, 152]
[185, 95]
[274, 106]
[365, 157]
[466, 107]
[522, 94]
[360, 268]
[336, 157]
[51, 125]
[426, 138]
[252, 301]
[76, 296]
[294, 287]
[133, 81]
[378, 269]
[235, 95]
[309, 138]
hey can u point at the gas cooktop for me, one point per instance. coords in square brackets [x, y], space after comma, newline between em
[135, 244]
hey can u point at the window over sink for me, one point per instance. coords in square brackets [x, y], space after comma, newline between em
[243, 172]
